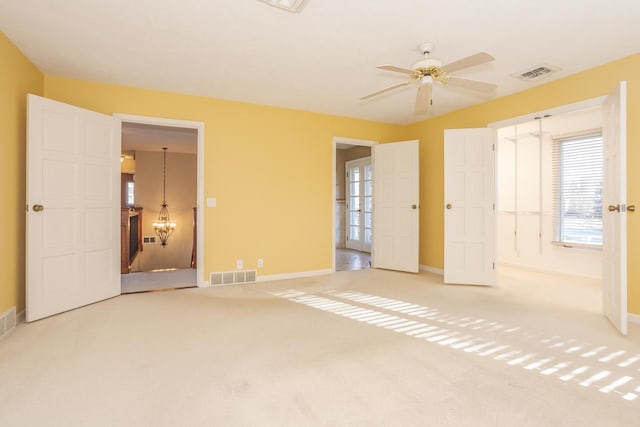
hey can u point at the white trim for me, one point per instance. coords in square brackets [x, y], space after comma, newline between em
[199, 126]
[340, 140]
[633, 318]
[581, 105]
[433, 270]
[299, 275]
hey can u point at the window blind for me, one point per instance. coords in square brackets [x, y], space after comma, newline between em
[577, 189]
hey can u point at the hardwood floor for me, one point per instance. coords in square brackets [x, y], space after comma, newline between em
[348, 259]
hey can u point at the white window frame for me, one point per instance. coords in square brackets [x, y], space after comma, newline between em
[558, 192]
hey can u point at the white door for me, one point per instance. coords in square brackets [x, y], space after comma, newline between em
[469, 216]
[395, 206]
[73, 207]
[359, 194]
[614, 196]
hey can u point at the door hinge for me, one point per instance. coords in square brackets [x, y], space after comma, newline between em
[494, 266]
[493, 147]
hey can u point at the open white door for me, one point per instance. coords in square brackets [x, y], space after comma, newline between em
[73, 206]
[469, 216]
[395, 212]
[614, 196]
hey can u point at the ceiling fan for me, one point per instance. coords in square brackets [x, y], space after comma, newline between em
[425, 71]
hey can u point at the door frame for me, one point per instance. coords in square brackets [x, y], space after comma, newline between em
[337, 140]
[199, 127]
[589, 103]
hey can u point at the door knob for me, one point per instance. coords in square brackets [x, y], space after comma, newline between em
[631, 208]
[613, 208]
[449, 206]
[38, 208]
[414, 206]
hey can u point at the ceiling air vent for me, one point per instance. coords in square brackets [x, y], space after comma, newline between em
[536, 73]
[290, 5]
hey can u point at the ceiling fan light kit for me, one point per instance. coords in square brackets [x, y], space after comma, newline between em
[425, 71]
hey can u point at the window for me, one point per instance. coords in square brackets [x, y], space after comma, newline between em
[577, 189]
[130, 193]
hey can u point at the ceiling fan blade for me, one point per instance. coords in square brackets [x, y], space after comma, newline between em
[397, 69]
[423, 98]
[471, 84]
[469, 61]
[371, 95]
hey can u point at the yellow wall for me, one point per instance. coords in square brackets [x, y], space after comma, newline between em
[181, 199]
[17, 78]
[269, 168]
[589, 84]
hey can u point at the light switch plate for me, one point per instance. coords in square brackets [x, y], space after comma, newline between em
[211, 202]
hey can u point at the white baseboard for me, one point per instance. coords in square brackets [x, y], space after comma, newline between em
[433, 270]
[545, 271]
[298, 275]
[633, 318]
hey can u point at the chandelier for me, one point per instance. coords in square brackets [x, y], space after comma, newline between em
[163, 226]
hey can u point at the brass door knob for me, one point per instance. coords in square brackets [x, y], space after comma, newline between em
[613, 208]
[38, 208]
[631, 208]
[449, 206]
[414, 206]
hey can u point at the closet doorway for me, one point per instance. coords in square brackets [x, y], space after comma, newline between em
[549, 206]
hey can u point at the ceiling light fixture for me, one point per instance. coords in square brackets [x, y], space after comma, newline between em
[163, 226]
[290, 5]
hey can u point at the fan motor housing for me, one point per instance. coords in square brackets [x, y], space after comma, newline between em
[426, 63]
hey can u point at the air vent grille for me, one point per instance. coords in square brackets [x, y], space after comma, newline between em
[232, 277]
[536, 73]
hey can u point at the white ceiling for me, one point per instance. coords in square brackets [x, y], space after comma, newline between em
[322, 59]
[142, 137]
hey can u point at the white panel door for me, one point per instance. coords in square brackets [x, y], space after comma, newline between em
[396, 206]
[73, 207]
[359, 194]
[469, 223]
[614, 196]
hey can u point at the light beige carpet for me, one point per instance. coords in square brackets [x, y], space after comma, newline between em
[360, 348]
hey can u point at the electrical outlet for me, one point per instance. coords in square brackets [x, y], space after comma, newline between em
[260, 263]
[239, 264]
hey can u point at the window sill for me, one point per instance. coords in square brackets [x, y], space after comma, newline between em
[582, 246]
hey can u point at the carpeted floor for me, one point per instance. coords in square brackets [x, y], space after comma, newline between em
[357, 348]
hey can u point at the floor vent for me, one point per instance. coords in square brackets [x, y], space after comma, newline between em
[536, 73]
[233, 277]
[7, 321]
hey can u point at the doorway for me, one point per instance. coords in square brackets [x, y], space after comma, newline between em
[353, 233]
[173, 175]
[549, 205]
